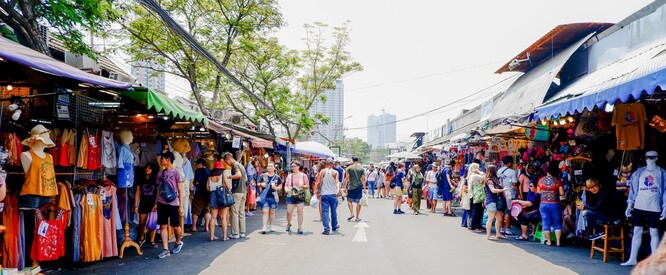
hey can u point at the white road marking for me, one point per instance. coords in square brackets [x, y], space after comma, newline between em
[360, 236]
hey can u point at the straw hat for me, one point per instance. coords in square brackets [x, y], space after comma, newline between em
[39, 132]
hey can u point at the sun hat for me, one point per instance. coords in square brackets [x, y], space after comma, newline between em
[39, 132]
[218, 169]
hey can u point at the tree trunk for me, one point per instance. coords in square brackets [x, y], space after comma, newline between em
[216, 93]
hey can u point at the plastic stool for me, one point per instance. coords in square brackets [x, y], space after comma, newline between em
[610, 234]
[539, 236]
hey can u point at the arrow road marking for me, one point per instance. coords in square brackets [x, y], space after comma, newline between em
[360, 236]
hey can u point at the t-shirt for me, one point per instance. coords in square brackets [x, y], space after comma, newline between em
[398, 178]
[239, 183]
[201, 178]
[340, 176]
[629, 121]
[536, 203]
[431, 178]
[275, 179]
[148, 192]
[443, 180]
[372, 176]
[171, 177]
[508, 177]
[549, 188]
[355, 172]
[647, 196]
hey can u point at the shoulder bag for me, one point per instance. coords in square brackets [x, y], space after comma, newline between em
[224, 196]
[167, 192]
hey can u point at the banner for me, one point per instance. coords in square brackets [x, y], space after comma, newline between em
[538, 133]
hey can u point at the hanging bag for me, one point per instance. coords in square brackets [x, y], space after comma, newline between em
[151, 222]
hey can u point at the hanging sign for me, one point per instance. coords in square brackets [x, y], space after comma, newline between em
[537, 133]
[236, 143]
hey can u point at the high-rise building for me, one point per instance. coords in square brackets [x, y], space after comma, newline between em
[148, 77]
[333, 108]
[381, 129]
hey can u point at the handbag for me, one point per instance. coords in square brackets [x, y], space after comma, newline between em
[298, 194]
[166, 191]
[262, 196]
[224, 196]
[151, 222]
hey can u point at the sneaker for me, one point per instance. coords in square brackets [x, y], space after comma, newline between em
[336, 228]
[288, 228]
[400, 211]
[264, 229]
[242, 235]
[250, 214]
[502, 231]
[325, 233]
[177, 248]
[508, 232]
[299, 232]
[395, 211]
[234, 236]
[271, 228]
[165, 253]
[596, 236]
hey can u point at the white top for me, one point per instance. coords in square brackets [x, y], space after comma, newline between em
[647, 197]
[214, 184]
[508, 177]
[372, 176]
[431, 178]
[329, 185]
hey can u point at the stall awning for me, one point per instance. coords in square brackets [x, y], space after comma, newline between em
[162, 103]
[641, 71]
[256, 141]
[25, 56]
[312, 148]
[529, 91]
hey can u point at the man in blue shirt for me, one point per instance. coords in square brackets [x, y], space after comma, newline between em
[397, 190]
[201, 201]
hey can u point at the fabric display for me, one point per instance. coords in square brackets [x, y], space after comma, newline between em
[109, 159]
[49, 240]
[12, 248]
[94, 150]
[14, 148]
[629, 121]
[110, 220]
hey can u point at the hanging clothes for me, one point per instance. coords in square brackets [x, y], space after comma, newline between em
[76, 228]
[40, 179]
[10, 245]
[92, 227]
[62, 159]
[55, 150]
[49, 239]
[82, 161]
[125, 167]
[110, 207]
[71, 147]
[109, 159]
[189, 177]
[94, 149]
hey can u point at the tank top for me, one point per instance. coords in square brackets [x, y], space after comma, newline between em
[40, 179]
[94, 158]
[49, 242]
[214, 184]
[329, 184]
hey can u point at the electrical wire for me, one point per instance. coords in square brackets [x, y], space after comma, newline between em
[433, 110]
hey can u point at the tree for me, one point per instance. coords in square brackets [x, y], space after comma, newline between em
[355, 147]
[272, 71]
[216, 24]
[66, 17]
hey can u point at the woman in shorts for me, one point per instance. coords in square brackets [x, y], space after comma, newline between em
[270, 180]
[493, 195]
[215, 181]
[144, 201]
[296, 180]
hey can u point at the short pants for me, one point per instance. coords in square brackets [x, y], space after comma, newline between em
[639, 217]
[354, 195]
[200, 206]
[168, 214]
[269, 204]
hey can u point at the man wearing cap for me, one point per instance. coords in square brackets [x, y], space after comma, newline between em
[169, 212]
[355, 184]
[239, 191]
[508, 179]
[326, 188]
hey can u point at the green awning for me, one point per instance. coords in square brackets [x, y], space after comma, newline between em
[162, 103]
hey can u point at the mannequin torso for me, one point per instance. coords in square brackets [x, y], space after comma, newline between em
[26, 157]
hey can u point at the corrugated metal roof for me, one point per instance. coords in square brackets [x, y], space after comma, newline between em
[557, 39]
[640, 71]
[103, 61]
[529, 91]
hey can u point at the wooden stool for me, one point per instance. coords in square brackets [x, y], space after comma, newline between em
[610, 235]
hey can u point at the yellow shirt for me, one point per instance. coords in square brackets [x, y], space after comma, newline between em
[40, 179]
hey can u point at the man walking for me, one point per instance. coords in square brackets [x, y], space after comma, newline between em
[239, 191]
[326, 188]
[508, 179]
[355, 184]
[168, 205]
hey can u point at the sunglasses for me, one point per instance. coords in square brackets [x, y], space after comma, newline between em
[651, 157]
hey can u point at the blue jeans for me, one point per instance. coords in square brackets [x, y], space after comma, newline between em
[594, 218]
[551, 215]
[329, 203]
[465, 216]
[371, 188]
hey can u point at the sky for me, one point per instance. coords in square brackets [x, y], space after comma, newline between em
[420, 55]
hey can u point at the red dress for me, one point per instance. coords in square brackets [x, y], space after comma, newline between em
[49, 242]
[94, 157]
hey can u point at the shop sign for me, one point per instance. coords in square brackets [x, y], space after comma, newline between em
[537, 133]
[236, 143]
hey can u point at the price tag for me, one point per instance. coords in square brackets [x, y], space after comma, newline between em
[616, 172]
[102, 193]
[43, 228]
[91, 141]
[90, 199]
[578, 172]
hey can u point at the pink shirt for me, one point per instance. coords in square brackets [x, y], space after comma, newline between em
[297, 180]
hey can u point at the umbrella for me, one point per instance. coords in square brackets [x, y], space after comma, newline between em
[312, 148]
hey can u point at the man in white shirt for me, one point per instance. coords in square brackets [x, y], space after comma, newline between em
[508, 179]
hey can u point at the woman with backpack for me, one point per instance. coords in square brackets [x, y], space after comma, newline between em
[295, 185]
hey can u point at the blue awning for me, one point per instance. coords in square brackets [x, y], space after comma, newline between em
[622, 80]
[14, 52]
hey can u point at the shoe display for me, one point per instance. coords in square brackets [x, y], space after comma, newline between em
[177, 248]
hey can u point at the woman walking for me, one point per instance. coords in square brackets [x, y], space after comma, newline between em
[551, 189]
[495, 203]
[416, 179]
[381, 180]
[295, 184]
[145, 198]
[431, 180]
[271, 181]
[215, 181]
[446, 179]
[477, 192]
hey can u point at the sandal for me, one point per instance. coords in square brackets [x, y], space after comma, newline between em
[350, 218]
[153, 245]
[502, 237]
[357, 220]
[214, 239]
[492, 238]
[521, 238]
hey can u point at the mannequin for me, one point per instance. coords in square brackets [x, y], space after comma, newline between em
[126, 181]
[40, 182]
[648, 185]
[181, 147]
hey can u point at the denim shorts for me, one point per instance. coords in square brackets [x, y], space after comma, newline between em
[269, 204]
[432, 193]
[291, 200]
[213, 201]
[491, 207]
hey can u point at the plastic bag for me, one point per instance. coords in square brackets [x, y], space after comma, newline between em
[364, 200]
[151, 222]
[314, 202]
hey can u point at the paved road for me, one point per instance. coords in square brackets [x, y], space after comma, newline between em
[396, 244]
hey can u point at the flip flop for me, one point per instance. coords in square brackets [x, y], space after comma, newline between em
[521, 238]
[492, 238]
[357, 220]
[502, 237]
[215, 239]
[350, 218]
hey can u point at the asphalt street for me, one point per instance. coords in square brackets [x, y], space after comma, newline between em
[382, 243]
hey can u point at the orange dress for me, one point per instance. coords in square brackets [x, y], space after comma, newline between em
[71, 150]
[40, 179]
[82, 161]
[92, 228]
[10, 219]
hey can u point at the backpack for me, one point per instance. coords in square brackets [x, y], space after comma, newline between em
[167, 192]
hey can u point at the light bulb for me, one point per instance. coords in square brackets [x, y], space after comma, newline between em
[138, 115]
[544, 122]
[562, 122]
[266, 155]
[571, 119]
[609, 108]
[10, 87]
[555, 122]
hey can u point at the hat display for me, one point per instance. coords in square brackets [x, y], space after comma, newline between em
[516, 208]
[218, 169]
[39, 132]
